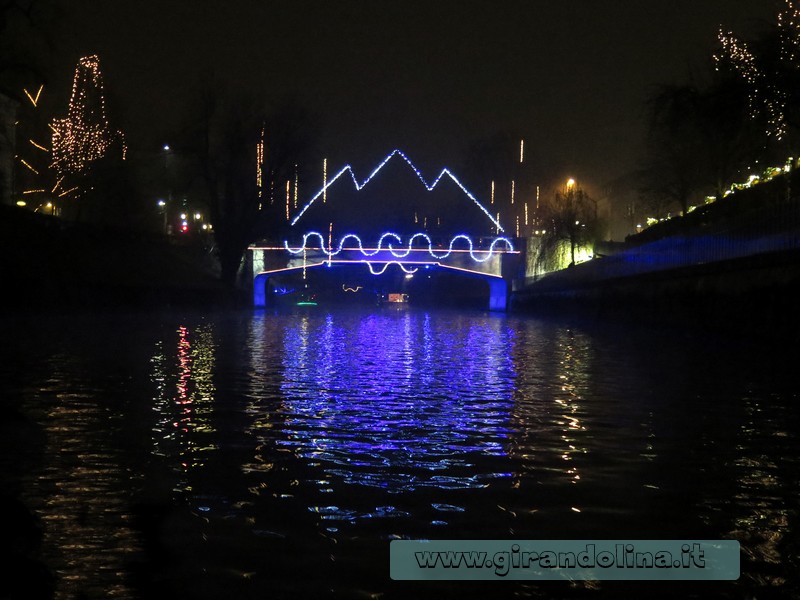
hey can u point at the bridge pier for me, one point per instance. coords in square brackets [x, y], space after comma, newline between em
[260, 290]
[498, 294]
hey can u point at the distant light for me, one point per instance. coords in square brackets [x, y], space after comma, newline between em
[183, 216]
[409, 275]
[22, 203]
[184, 228]
[197, 216]
[166, 147]
[570, 182]
[205, 226]
[49, 205]
[162, 203]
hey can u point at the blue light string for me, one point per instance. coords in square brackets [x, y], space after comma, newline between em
[399, 253]
[386, 266]
[429, 187]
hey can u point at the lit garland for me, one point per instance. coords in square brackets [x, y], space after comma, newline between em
[429, 187]
[386, 266]
[288, 196]
[330, 242]
[28, 165]
[296, 187]
[38, 146]
[260, 164]
[345, 261]
[789, 26]
[324, 180]
[34, 99]
[767, 95]
[84, 135]
[401, 253]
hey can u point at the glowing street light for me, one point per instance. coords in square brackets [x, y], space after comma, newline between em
[570, 183]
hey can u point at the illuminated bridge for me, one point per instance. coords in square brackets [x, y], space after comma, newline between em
[469, 243]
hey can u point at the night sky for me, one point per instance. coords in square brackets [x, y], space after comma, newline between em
[432, 77]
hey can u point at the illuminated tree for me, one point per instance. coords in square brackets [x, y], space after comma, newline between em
[23, 50]
[769, 66]
[571, 216]
[87, 152]
[36, 182]
[84, 135]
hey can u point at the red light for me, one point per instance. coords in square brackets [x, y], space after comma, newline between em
[184, 228]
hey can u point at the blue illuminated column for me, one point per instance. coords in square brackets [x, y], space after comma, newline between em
[498, 294]
[260, 290]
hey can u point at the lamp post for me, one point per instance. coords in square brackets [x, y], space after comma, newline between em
[162, 207]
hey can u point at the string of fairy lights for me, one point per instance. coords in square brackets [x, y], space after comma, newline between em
[521, 206]
[767, 95]
[347, 169]
[396, 248]
[85, 134]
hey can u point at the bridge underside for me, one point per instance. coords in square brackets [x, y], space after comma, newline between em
[273, 262]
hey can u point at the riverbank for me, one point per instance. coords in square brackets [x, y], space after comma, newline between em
[48, 263]
[733, 265]
[754, 295]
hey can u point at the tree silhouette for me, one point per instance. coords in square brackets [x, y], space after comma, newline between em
[698, 141]
[240, 180]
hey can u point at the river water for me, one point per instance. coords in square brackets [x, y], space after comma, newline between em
[277, 454]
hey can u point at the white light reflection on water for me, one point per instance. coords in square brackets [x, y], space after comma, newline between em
[182, 370]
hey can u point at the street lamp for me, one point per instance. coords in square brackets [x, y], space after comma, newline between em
[162, 207]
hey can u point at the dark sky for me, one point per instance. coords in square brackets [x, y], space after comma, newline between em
[570, 76]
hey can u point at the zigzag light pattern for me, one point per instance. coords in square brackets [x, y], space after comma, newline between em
[429, 187]
[400, 253]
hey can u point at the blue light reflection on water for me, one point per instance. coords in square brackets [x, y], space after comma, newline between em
[287, 449]
[352, 403]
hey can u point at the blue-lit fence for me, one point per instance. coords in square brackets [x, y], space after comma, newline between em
[768, 223]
